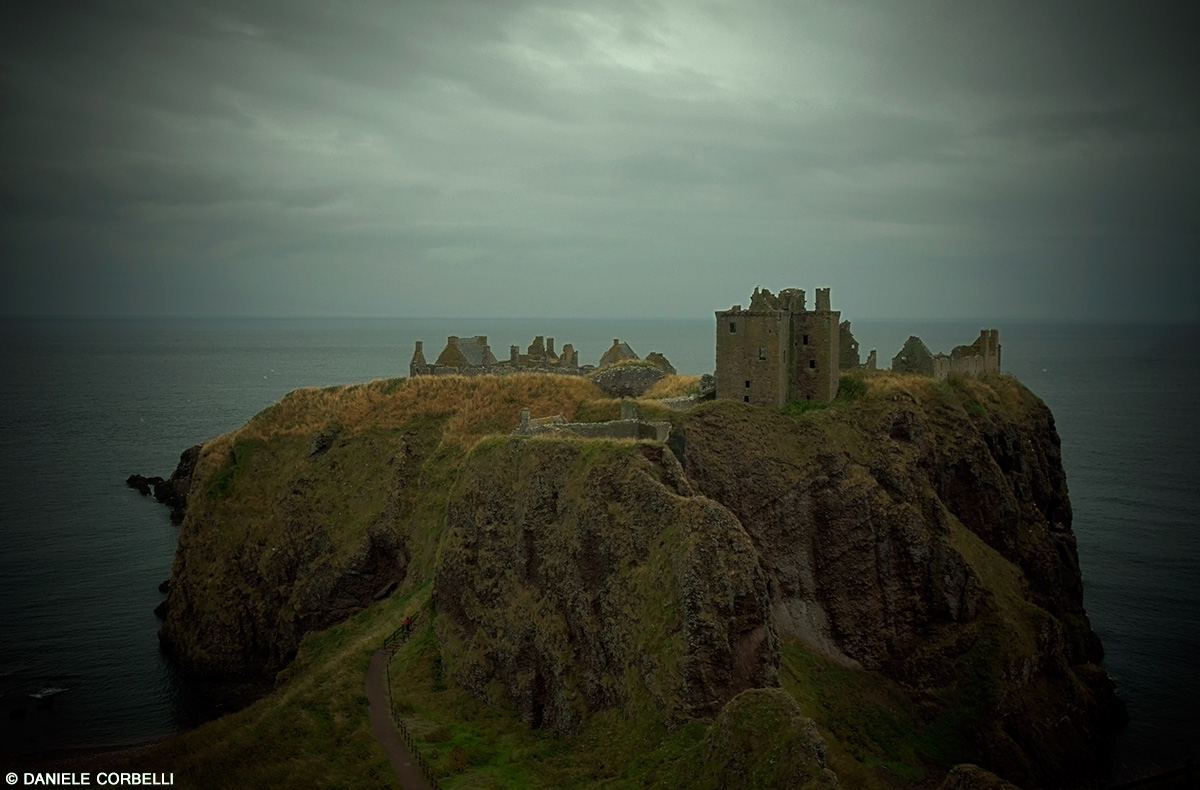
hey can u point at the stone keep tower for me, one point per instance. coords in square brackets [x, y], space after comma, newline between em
[778, 350]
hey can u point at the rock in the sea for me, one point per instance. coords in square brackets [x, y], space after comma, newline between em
[173, 492]
[143, 485]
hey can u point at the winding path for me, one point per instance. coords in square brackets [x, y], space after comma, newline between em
[385, 732]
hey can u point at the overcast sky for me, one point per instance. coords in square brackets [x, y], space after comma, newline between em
[304, 157]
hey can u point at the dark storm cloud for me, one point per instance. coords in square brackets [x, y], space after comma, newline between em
[269, 157]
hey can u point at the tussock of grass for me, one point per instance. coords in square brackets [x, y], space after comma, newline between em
[629, 363]
[866, 719]
[673, 386]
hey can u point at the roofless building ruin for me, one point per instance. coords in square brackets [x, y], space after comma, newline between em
[778, 350]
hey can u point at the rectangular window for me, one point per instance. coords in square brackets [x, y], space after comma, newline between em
[762, 352]
[746, 398]
[812, 363]
[805, 340]
[747, 385]
[732, 327]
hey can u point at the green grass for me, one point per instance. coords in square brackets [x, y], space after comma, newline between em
[851, 387]
[403, 459]
[868, 721]
[483, 744]
[312, 731]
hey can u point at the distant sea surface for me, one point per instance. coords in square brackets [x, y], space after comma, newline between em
[85, 403]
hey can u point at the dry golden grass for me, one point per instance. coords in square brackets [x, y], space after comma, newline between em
[883, 382]
[473, 405]
[673, 386]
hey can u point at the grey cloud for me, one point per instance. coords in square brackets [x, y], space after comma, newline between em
[301, 151]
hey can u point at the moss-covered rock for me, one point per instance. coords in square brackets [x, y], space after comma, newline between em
[923, 531]
[762, 739]
[580, 576]
[972, 777]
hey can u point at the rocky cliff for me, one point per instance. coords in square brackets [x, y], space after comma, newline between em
[899, 565]
[579, 576]
[923, 531]
[317, 505]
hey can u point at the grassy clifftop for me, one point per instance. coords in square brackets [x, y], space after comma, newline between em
[897, 564]
[298, 518]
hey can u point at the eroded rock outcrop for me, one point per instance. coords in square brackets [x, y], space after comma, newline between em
[253, 574]
[322, 503]
[173, 491]
[628, 380]
[762, 739]
[580, 576]
[924, 532]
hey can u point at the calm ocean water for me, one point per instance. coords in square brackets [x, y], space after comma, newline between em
[83, 404]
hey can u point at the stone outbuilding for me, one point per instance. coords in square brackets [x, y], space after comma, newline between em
[617, 352]
[914, 357]
[977, 359]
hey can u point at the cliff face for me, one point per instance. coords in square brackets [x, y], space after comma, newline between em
[321, 502]
[912, 534]
[924, 531]
[576, 577]
[252, 575]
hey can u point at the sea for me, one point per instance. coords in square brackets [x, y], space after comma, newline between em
[86, 403]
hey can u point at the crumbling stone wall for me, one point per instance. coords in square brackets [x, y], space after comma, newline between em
[630, 426]
[473, 357]
[618, 352]
[977, 359]
[847, 348]
[914, 357]
[815, 352]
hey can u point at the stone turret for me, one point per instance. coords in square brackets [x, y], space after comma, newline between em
[418, 366]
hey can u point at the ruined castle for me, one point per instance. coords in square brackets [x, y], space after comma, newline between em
[778, 351]
[982, 356]
[472, 356]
